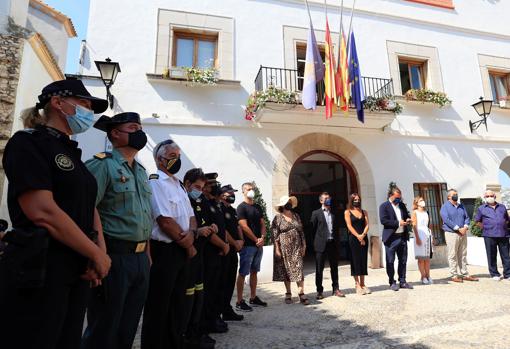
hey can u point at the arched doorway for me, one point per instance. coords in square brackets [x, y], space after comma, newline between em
[320, 171]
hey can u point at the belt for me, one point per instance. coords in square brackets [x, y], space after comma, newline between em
[116, 246]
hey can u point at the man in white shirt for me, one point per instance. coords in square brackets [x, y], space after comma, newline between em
[168, 306]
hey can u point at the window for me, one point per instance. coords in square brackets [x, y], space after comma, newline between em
[195, 50]
[499, 85]
[411, 75]
[435, 195]
[301, 61]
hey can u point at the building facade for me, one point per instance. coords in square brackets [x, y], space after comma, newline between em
[454, 47]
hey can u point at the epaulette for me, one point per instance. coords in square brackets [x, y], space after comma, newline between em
[154, 176]
[103, 155]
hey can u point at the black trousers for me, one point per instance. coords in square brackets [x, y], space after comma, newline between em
[50, 317]
[167, 306]
[331, 253]
[396, 246]
[229, 280]
[115, 308]
[492, 245]
[196, 281]
[213, 266]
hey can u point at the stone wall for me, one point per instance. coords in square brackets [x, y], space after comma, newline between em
[11, 50]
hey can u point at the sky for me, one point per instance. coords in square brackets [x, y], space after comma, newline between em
[78, 11]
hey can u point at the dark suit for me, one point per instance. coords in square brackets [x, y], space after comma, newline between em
[394, 243]
[325, 247]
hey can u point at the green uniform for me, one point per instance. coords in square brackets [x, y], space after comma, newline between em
[123, 196]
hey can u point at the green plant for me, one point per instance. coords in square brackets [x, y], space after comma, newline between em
[199, 76]
[473, 228]
[258, 99]
[426, 95]
[259, 200]
[385, 103]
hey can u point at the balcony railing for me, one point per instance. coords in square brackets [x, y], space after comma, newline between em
[290, 80]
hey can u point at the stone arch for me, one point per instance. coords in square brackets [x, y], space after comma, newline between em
[335, 144]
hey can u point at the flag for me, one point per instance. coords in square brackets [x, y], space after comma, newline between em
[314, 71]
[342, 74]
[329, 78]
[357, 94]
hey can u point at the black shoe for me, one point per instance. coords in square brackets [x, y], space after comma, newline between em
[206, 339]
[258, 302]
[221, 323]
[232, 316]
[218, 326]
[242, 306]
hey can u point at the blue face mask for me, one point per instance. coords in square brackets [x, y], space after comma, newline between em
[82, 119]
[397, 201]
[327, 202]
[195, 194]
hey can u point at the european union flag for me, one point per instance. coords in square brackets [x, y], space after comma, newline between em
[357, 94]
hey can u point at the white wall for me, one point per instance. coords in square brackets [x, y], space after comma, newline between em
[16, 9]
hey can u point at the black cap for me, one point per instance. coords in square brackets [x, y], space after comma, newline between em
[70, 88]
[211, 177]
[227, 189]
[106, 123]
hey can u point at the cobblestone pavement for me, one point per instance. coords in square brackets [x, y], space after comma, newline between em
[443, 315]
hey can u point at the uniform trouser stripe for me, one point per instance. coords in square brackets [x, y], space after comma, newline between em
[199, 287]
[190, 291]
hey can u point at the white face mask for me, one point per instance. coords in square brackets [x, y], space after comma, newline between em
[250, 194]
[422, 203]
[490, 200]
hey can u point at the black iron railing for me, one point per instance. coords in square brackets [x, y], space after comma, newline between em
[292, 80]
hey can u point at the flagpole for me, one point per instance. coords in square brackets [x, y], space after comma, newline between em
[308, 9]
[350, 24]
[326, 7]
[341, 16]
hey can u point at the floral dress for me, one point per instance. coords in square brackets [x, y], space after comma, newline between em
[290, 236]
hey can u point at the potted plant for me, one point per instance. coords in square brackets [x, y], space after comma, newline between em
[258, 99]
[476, 245]
[428, 96]
[266, 265]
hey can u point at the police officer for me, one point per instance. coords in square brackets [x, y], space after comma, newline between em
[236, 241]
[169, 303]
[50, 259]
[214, 256]
[194, 182]
[123, 202]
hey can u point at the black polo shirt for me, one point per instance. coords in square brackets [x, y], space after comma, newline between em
[253, 215]
[231, 220]
[46, 159]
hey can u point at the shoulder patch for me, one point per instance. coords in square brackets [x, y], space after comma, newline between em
[154, 176]
[103, 155]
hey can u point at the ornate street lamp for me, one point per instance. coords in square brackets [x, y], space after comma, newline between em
[483, 108]
[108, 71]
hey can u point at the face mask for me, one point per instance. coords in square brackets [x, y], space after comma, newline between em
[288, 206]
[250, 194]
[327, 202]
[421, 204]
[173, 165]
[490, 200]
[136, 140]
[195, 194]
[455, 198]
[230, 199]
[397, 201]
[356, 203]
[81, 120]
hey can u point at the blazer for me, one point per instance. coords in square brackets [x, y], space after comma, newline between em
[390, 222]
[320, 230]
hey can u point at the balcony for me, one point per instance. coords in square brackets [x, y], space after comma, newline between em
[294, 113]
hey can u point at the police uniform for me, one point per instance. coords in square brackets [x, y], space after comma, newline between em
[42, 297]
[213, 269]
[123, 202]
[231, 263]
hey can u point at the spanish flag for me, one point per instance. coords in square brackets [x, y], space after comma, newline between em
[329, 78]
[342, 74]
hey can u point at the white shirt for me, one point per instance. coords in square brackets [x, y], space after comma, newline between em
[329, 222]
[396, 208]
[169, 199]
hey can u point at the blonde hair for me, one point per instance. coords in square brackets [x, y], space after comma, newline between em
[32, 117]
[416, 201]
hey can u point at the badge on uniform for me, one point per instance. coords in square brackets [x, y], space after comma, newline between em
[64, 162]
[123, 179]
[227, 215]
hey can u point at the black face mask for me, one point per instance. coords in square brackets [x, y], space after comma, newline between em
[356, 203]
[173, 165]
[136, 140]
[288, 206]
[455, 198]
[230, 199]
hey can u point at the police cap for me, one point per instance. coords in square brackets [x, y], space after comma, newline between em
[228, 189]
[106, 123]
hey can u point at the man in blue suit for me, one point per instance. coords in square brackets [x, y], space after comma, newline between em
[395, 219]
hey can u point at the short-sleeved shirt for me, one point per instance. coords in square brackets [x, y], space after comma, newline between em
[253, 215]
[46, 159]
[123, 197]
[231, 220]
[494, 219]
[169, 199]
